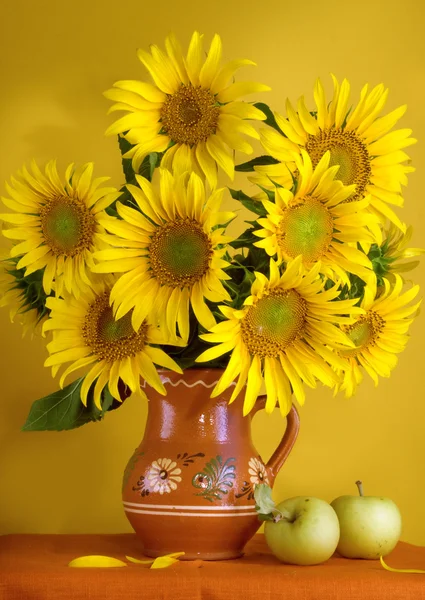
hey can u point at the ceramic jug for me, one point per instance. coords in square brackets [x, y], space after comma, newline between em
[190, 484]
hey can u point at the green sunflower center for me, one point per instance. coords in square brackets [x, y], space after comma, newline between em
[364, 333]
[180, 253]
[274, 323]
[68, 226]
[306, 229]
[190, 115]
[109, 339]
[349, 152]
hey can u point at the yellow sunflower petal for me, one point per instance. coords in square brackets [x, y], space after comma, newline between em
[221, 155]
[253, 387]
[201, 310]
[149, 373]
[159, 357]
[194, 58]
[94, 372]
[271, 383]
[210, 67]
[96, 561]
[226, 73]
[241, 88]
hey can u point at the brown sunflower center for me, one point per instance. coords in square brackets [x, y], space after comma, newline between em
[68, 226]
[364, 333]
[274, 323]
[190, 115]
[349, 152]
[306, 229]
[180, 253]
[109, 339]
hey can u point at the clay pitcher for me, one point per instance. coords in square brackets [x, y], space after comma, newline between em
[189, 486]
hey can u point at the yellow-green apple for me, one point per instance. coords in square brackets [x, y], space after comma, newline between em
[304, 531]
[370, 525]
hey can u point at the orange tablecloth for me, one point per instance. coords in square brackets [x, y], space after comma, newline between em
[34, 567]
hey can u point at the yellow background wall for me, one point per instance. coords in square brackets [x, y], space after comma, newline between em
[56, 59]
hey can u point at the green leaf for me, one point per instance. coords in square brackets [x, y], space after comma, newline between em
[265, 505]
[154, 161]
[265, 159]
[127, 167]
[257, 258]
[246, 240]
[240, 284]
[271, 194]
[149, 164]
[263, 517]
[254, 206]
[145, 168]
[381, 264]
[270, 120]
[64, 410]
[29, 287]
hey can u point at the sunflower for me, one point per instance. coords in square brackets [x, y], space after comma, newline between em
[86, 334]
[192, 112]
[284, 336]
[21, 296]
[379, 334]
[370, 155]
[317, 223]
[170, 255]
[58, 222]
[394, 253]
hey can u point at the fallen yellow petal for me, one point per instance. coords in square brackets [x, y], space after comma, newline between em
[96, 561]
[152, 560]
[399, 570]
[163, 561]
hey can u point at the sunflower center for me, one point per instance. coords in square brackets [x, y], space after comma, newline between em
[109, 339]
[349, 152]
[180, 253]
[68, 226]
[274, 323]
[364, 333]
[306, 229]
[190, 115]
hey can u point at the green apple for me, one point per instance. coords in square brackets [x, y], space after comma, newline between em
[304, 532]
[370, 525]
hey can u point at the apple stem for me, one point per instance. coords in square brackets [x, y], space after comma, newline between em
[281, 515]
[359, 484]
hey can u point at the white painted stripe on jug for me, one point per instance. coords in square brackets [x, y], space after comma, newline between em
[188, 514]
[189, 507]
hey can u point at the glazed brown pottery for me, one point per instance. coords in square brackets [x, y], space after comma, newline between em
[190, 484]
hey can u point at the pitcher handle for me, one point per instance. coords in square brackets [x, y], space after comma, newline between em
[287, 442]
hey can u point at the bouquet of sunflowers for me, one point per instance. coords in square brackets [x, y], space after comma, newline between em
[123, 282]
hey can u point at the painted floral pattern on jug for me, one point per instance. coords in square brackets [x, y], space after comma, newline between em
[257, 471]
[216, 478]
[257, 474]
[163, 476]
